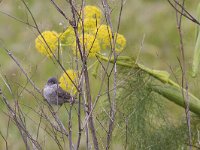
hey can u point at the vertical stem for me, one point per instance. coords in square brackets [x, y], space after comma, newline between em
[183, 68]
[85, 71]
[113, 102]
[79, 121]
[70, 127]
[86, 125]
[89, 100]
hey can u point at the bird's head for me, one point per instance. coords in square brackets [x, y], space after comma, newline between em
[52, 81]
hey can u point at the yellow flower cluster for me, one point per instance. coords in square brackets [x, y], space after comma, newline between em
[47, 43]
[90, 45]
[90, 24]
[66, 84]
[92, 12]
[104, 35]
[97, 36]
[120, 42]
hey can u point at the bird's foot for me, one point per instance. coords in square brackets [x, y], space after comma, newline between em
[72, 101]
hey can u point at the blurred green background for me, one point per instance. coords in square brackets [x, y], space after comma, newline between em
[151, 20]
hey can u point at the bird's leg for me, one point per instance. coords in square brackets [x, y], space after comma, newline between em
[72, 100]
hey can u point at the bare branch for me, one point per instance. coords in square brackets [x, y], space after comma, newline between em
[183, 67]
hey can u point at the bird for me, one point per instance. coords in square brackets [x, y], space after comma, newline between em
[55, 95]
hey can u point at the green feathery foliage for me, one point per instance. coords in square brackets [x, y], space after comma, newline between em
[141, 119]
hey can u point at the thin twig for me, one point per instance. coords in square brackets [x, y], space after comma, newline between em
[183, 66]
[70, 126]
[86, 76]
[183, 11]
[21, 126]
[5, 139]
[22, 69]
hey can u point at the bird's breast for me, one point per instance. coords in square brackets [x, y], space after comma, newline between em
[49, 91]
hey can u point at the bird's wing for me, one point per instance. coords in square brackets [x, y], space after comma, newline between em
[63, 94]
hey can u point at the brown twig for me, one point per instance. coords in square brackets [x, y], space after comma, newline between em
[5, 140]
[183, 68]
[79, 122]
[20, 124]
[113, 43]
[70, 127]
[22, 69]
[86, 76]
[183, 11]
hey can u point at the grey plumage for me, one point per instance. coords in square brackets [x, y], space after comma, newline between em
[54, 94]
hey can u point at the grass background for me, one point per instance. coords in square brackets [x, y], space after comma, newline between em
[153, 19]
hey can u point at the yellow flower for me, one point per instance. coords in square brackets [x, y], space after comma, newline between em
[91, 45]
[104, 35]
[120, 42]
[68, 37]
[66, 84]
[51, 38]
[92, 12]
[89, 25]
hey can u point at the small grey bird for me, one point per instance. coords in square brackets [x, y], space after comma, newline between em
[54, 94]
